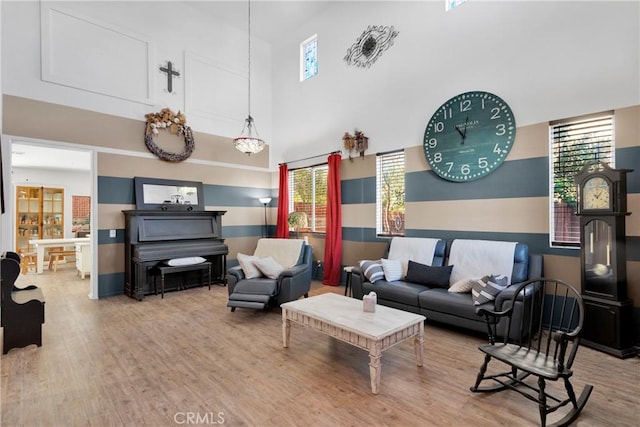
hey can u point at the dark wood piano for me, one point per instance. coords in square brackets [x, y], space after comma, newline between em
[155, 236]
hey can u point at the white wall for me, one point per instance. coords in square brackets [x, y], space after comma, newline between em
[4, 218]
[79, 39]
[548, 60]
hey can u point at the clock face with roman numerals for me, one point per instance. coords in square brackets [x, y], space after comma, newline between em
[469, 136]
[596, 194]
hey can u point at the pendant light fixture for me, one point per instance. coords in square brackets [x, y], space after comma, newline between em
[249, 141]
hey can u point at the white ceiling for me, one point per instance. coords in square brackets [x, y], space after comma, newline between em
[270, 20]
[37, 156]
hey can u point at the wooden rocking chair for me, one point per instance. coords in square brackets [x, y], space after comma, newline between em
[546, 348]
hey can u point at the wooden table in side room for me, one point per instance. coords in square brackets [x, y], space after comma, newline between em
[343, 318]
[41, 244]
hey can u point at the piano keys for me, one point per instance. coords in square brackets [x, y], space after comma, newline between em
[155, 236]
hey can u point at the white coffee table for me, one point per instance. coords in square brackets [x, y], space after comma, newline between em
[343, 318]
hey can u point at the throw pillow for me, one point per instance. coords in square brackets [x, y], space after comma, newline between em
[423, 274]
[269, 267]
[488, 288]
[392, 269]
[185, 261]
[247, 264]
[463, 286]
[372, 270]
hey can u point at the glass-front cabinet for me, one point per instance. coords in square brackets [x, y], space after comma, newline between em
[39, 215]
[52, 213]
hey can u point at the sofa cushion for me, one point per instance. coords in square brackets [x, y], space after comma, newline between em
[392, 269]
[476, 258]
[488, 288]
[462, 286]
[248, 267]
[454, 304]
[426, 275]
[372, 270]
[420, 249]
[286, 252]
[269, 267]
[398, 291]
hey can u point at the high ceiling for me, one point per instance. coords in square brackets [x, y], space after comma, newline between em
[270, 20]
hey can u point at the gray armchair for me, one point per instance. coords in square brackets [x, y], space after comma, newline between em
[261, 292]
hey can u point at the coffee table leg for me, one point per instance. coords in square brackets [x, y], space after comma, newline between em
[286, 329]
[419, 344]
[375, 367]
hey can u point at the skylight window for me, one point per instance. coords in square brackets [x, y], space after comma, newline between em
[309, 58]
[450, 4]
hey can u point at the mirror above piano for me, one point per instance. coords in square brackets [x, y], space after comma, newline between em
[167, 194]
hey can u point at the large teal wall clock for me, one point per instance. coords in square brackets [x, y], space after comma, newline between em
[469, 136]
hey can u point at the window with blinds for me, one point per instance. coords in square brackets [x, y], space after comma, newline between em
[308, 194]
[390, 194]
[573, 143]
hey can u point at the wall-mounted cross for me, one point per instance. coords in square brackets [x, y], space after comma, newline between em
[170, 73]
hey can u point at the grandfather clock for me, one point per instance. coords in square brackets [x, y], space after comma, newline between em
[602, 207]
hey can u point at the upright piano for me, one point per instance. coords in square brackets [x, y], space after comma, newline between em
[155, 236]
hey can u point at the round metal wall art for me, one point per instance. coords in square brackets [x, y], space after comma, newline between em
[176, 124]
[370, 45]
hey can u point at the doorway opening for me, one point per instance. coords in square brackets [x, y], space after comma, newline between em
[61, 178]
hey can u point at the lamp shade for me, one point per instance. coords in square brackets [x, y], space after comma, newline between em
[264, 200]
[249, 142]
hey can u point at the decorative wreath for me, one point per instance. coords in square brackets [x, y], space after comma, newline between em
[176, 123]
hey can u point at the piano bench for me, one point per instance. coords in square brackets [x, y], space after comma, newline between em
[168, 269]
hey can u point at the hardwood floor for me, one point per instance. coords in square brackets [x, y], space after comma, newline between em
[186, 359]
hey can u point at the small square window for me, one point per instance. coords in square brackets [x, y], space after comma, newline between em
[309, 58]
[451, 4]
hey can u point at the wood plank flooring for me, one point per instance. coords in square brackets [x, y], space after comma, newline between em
[186, 359]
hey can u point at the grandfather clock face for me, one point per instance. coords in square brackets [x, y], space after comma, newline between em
[596, 194]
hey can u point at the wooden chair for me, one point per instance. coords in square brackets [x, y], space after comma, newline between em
[27, 261]
[22, 312]
[545, 349]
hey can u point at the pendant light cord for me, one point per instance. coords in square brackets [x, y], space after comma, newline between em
[249, 79]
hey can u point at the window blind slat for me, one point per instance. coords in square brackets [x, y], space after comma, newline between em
[390, 191]
[573, 143]
[308, 194]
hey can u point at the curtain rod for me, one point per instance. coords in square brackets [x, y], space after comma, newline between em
[311, 157]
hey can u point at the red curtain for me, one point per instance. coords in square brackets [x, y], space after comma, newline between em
[282, 225]
[333, 238]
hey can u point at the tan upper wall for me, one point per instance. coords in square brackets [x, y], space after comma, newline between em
[53, 122]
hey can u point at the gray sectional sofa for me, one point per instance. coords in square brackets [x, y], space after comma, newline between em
[437, 303]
